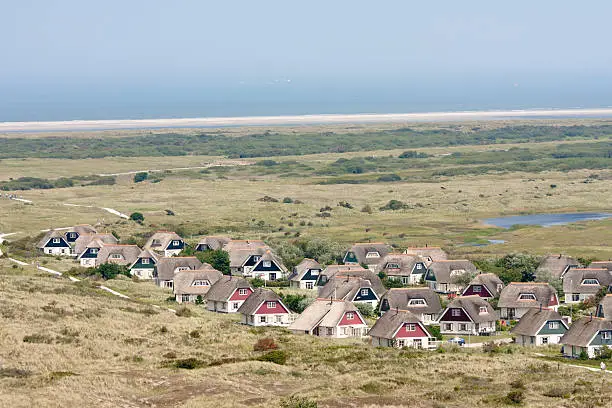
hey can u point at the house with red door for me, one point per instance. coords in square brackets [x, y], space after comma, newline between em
[485, 285]
[264, 308]
[468, 315]
[227, 294]
[330, 318]
[400, 328]
[518, 297]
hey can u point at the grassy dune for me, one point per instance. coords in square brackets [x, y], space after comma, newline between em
[71, 345]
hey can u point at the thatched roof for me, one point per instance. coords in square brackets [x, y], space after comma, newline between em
[574, 278]
[555, 265]
[241, 250]
[183, 280]
[83, 229]
[93, 241]
[532, 321]
[405, 263]
[346, 287]
[582, 331]
[490, 280]
[256, 298]
[362, 249]
[224, 287]
[303, 267]
[390, 322]
[428, 253]
[128, 254]
[445, 271]
[398, 298]
[214, 242]
[601, 265]
[160, 240]
[323, 312]
[471, 305]
[167, 265]
[604, 309]
[543, 292]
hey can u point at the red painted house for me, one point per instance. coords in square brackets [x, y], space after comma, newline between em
[400, 328]
[228, 294]
[330, 318]
[468, 315]
[485, 285]
[264, 308]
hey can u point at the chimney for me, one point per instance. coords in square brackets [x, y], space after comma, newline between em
[540, 306]
[396, 309]
[591, 318]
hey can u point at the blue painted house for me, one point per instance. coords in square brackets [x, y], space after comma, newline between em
[305, 274]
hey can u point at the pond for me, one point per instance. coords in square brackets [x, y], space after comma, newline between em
[545, 220]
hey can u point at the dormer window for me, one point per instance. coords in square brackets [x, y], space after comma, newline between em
[364, 292]
[455, 312]
[527, 296]
[156, 242]
[144, 261]
[419, 266]
[350, 315]
[200, 282]
[72, 235]
[56, 240]
[410, 327]
[176, 243]
[93, 251]
[271, 305]
[243, 292]
[182, 268]
[417, 302]
[553, 325]
[115, 256]
[476, 288]
[315, 272]
[392, 266]
[256, 258]
[482, 309]
[372, 254]
[267, 264]
[606, 335]
[457, 272]
[590, 282]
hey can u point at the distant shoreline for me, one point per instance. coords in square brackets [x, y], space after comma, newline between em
[297, 120]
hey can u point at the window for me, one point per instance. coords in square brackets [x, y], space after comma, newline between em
[401, 343]
[315, 272]
[330, 331]
[364, 292]
[72, 235]
[267, 264]
[575, 297]
[156, 242]
[56, 240]
[544, 340]
[185, 298]
[553, 325]
[455, 312]
[93, 251]
[176, 243]
[417, 343]
[278, 318]
[448, 326]
[350, 315]
[256, 258]
[168, 284]
[346, 331]
[182, 268]
[372, 255]
[200, 282]
[144, 261]
[243, 292]
[476, 288]
[235, 305]
[606, 335]
[405, 281]
[463, 327]
[309, 285]
[262, 319]
[419, 266]
[410, 327]
[527, 296]
[483, 309]
[392, 266]
[271, 305]
[417, 302]
[115, 256]
[590, 282]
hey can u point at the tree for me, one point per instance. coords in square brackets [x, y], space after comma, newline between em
[296, 303]
[136, 216]
[218, 259]
[517, 268]
[365, 309]
[199, 300]
[435, 332]
[110, 271]
[141, 176]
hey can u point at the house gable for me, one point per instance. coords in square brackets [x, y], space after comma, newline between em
[311, 275]
[90, 253]
[237, 296]
[455, 314]
[266, 307]
[57, 242]
[72, 236]
[602, 338]
[430, 276]
[419, 269]
[347, 320]
[410, 330]
[552, 327]
[264, 266]
[140, 265]
[364, 294]
[175, 244]
[252, 260]
[477, 289]
[350, 257]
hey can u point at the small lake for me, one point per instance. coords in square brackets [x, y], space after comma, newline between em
[545, 220]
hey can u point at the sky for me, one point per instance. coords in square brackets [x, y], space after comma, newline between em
[56, 50]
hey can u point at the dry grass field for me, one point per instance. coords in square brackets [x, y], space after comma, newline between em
[64, 344]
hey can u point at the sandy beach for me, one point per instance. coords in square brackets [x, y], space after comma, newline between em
[299, 120]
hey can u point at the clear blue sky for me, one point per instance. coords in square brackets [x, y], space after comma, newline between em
[46, 44]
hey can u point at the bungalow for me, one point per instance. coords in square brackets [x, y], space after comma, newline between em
[330, 318]
[368, 254]
[144, 266]
[117, 254]
[305, 274]
[518, 297]
[468, 315]
[400, 328]
[87, 247]
[167, 267]
[485, 285]
[227, 294]
[211, 243]
[353, 289]
[540, 327]
[60, 242]
[429, 254]
[604, 309]
[264, 308]
[555, 266]
[347, 270]
[588, 335]
[192, 285]
[244, 255]
[424, 303]
[166, 243]
[581, 284]
[445, 276]
[269, 267]
[408, 269]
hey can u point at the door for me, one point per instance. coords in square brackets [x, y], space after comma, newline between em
[511, 313]
[272, 276]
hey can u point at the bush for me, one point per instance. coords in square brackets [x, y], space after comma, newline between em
[276, 356]
[556, 392]
[435, 332]
[188, 363]
[257, 282]
[297, 402]
[184, 311]
[142, 176]
[515, 397]
[218, 259]
[583, 355]
[136, 216]
[296, 303]
[365, 309]
[110, 271]
[394, 205]
[268, 199]
[265, 344]
[411, 154]
[287, 200]
[345, 204]
[389, 178]
[367, 209]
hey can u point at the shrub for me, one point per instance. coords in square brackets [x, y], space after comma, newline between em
[199, 300]
[515, 397]
[38, 338]
[169, 212]
[394, 205]
[296, 303]
[556, 392]
[217, 258]
[287, 200]
[345, 204]
[142, 176]
[583, 355]
[435, 332]
[297, 402]
[257, 282]
[411, 154]
[136, 216]
[110, 271]
[194, 334]
[265, 344]
[184, 311]
[389, 178]
[188, 363]
[268, 199]
[365, 309]
[275, 356]
[367, 209]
